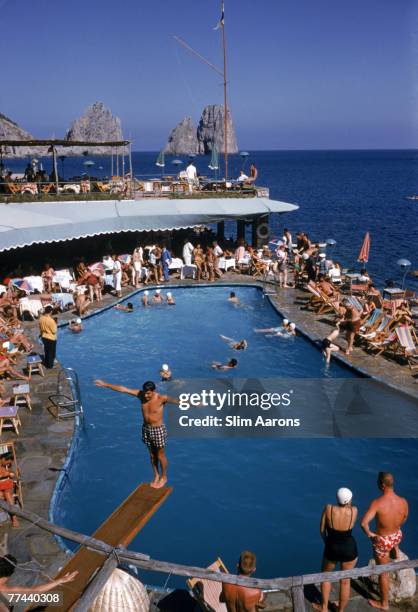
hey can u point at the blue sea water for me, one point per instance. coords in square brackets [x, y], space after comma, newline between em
[229, 494]
[341, 195]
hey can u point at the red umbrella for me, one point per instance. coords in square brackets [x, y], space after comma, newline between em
[365, 249]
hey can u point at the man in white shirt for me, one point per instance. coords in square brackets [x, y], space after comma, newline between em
[218, 252]
[191, 175]
[188, 249]
[117, 275]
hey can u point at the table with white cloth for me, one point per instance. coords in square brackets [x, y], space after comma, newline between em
[176, 264]
[36, 283]
[63, 299]
[63, 277]
[188, 272]
[225, 264]
[33, 307]
[109, 280]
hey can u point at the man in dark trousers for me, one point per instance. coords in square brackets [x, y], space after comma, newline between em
[48, 331]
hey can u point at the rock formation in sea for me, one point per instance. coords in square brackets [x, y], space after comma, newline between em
[211, 130]
[9, 130]
[186, 140]
[183, 139]
[96, 124]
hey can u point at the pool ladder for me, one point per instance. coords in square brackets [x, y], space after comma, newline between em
[65, 406]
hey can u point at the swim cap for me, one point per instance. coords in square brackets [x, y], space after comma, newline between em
[292, 326]
[78, 321]
[158, 291]
[344, 496]
[146, 292]
[168, 294]
[305, 256]
[322, 255]
[164, 367]
[285, 321]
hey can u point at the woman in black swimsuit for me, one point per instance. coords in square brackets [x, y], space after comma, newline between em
[337, 523]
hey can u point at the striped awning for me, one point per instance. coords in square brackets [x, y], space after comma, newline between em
[37, 223]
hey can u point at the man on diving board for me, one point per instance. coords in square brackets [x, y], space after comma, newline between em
[154, 432]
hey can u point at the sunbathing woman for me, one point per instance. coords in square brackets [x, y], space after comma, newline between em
[7, 486]
[6, 369]
[237, 345]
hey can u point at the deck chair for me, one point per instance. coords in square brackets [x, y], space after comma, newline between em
[7, 449]
[382, 330]
[207, 592]
[47, 187]
[383, 344]
[408, 345]
[327, 303]
[12, 188]
[101, 187]
[371, 323]
[355, 302]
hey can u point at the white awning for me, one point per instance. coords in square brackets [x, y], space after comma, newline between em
[37, 223]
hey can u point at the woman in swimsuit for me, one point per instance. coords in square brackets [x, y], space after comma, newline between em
[199, 260]
[337, 523]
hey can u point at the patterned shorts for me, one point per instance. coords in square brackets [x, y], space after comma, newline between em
[154, 437]
[382, 545]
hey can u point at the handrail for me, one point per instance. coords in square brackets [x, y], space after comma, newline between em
[71, 377]
[145, 562]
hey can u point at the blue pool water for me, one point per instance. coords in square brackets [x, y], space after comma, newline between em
[229, 494]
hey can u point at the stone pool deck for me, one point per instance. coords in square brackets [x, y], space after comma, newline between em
[44, 442]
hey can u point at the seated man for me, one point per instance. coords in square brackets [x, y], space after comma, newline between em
[239, 598]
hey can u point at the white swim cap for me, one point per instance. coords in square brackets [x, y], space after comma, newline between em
[78, 321]
[292, 326]
[322, 255]
[168, 294]
[164, 367]
[158, 291]
[285, 321]
[146, 292]
[344, 496]
[305, 256]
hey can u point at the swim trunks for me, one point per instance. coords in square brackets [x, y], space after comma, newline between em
[154, 437]
[382, 545]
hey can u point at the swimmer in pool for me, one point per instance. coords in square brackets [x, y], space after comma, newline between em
[75, 325]
[232, 363]
[157, 298]
[233, 298]
[128, 308]
[290, 330]
[273, 330]
[328, 347]
[240, 345]
[165, 373]
[145, 299]
[170, 299]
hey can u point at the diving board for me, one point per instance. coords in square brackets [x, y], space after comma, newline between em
[119, 529]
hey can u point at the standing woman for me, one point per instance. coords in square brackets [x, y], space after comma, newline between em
[337, 523]
[48, 331]
[137, 266]
[117, 275]
[199, 260]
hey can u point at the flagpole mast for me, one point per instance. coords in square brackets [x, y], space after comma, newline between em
[225, 92]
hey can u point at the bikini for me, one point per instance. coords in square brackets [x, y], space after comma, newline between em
[340, 546]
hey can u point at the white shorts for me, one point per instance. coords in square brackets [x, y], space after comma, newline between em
[118, 281]
[137, 266]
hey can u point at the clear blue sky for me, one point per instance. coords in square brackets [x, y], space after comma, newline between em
[304, 74]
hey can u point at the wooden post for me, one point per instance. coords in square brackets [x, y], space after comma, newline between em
[298, 598]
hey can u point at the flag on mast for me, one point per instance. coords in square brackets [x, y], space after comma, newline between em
[221, 22]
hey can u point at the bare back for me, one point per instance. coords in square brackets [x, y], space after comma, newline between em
[240, 599]
[391, 513]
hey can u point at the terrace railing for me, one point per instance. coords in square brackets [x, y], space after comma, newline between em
[116, 556]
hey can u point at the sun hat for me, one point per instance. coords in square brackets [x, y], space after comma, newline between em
[292, 326]
[285, 321]
[344, 496]
[164, 367]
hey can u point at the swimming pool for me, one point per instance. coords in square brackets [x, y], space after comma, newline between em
[229, 494]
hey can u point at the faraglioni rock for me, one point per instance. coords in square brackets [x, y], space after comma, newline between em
[97, 124]
[211, 130]
[183, 139]
[9, 130]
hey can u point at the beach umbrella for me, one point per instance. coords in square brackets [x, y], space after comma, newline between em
[365, 249]
[21, 284]
[125, 258]
[97, 266]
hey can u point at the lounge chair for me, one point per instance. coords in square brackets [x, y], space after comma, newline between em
[207, 592]
[408, 345]
[12, 188]
[381, 331]
[8, 449]
[383, 344]
[355, 302]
